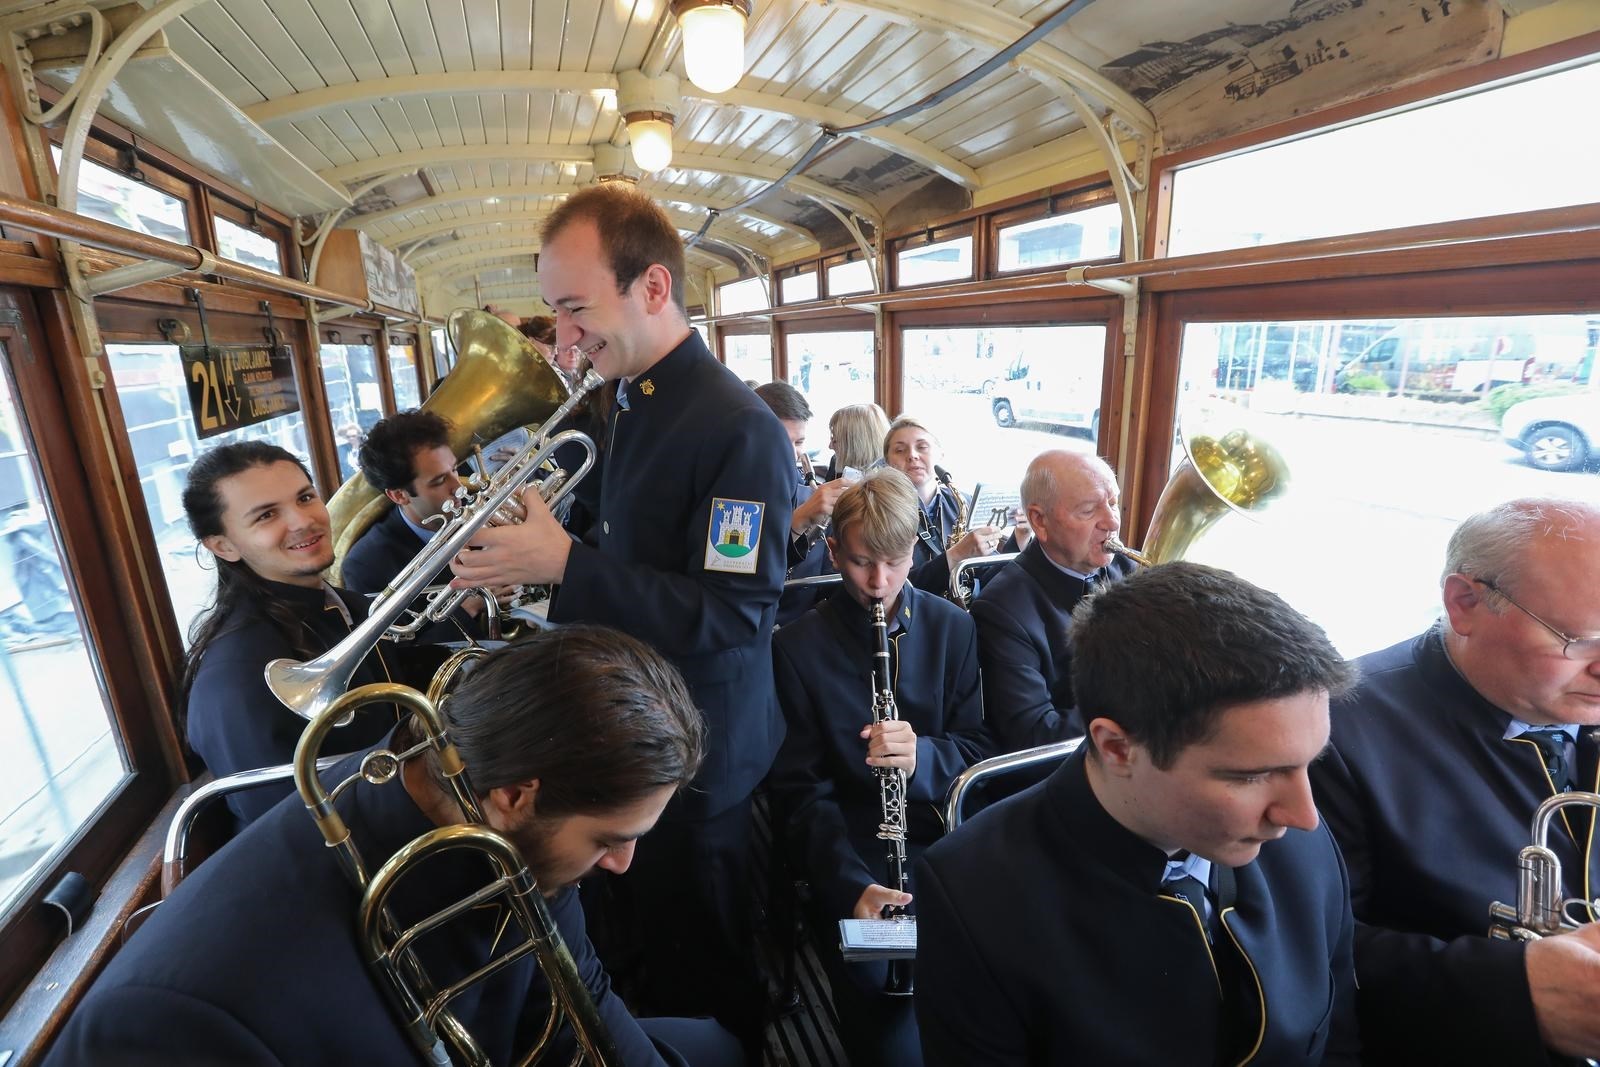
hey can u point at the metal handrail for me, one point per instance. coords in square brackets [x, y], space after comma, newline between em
[996, 766]
[961, 594]
[815, 579]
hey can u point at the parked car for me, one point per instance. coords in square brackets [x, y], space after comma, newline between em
[1460, 358]
[1056, 391]
[1555, 433]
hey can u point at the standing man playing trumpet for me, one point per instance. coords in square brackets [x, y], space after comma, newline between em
[1439, 759]
[1024, 613]
[825, 780]
[690, 557]
[942, 539]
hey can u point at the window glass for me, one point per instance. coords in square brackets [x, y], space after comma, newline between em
[833, 370]
[747, 295]
[245, 246]
[444, 357]
[941, 262]
[111, 197]
[852, 277]
[749, 356]
[1093, 233]
[154, 398]
[1392, 431]
[355, 400]
[998, 396]
[798, 288]
[1429, 164]
[65, 757]
[403, 373]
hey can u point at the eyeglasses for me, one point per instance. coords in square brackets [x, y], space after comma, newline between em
[1575, 648]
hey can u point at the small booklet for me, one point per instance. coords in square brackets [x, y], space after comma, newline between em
[878, 939]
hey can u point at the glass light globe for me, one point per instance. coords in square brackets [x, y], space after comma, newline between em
[713, 46]
[651, 142]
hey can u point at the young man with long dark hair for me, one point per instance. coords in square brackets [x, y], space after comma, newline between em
[254, 508]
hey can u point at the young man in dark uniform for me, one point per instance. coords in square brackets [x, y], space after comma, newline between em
[1439, 759]
[573, 743]
[1024, 612]
[253, 507]
[1167, 895]
[690, 557]
[825, 781]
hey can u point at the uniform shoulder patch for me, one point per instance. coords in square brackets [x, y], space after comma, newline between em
[733, 535]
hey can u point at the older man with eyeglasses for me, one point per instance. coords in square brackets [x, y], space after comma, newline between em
[1437, 763]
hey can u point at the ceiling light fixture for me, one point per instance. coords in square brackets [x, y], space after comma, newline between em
[649, 106]
[610, 165]
[713, 41]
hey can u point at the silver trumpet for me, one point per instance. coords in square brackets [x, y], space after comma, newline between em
[1542, 909]
[309, 687]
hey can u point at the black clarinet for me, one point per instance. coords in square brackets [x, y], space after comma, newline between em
[891, 793]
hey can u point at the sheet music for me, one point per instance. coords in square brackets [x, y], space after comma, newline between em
[878, 939]
[987, 497]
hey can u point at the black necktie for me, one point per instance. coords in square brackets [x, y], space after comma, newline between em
[1553, 745]
[1179, 883]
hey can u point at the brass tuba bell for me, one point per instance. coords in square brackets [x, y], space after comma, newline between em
[501, 380]
[1235, 472]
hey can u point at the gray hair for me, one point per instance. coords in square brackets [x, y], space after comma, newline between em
[1039, 483]
[1492, 544]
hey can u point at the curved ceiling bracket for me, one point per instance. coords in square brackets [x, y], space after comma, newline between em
[53, 18]
[867, 253]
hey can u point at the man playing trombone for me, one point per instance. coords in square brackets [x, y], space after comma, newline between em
[574, 742]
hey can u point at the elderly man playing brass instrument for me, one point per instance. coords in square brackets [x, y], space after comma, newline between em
[1024, 613]
[1439, 760]
[574, 741]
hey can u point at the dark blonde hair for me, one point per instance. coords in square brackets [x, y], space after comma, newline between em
[857, 431]
[885, 506]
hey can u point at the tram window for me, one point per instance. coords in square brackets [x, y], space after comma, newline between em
[111, 197]
[1502, 150]
[245, 246]
[832, 369]
[403, 373]
[52, 711]
[747, 295]
[749, 355]
[943, 261]
[854, 276]
[798, 288]
[1074, 237]
[154, 397]
[444, 356]
[355, 399]
[996, 396]
[1392, 431]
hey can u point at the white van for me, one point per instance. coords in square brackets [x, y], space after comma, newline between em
[1458, 358]
[1058, 388]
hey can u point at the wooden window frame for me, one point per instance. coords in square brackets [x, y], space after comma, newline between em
[932, 235]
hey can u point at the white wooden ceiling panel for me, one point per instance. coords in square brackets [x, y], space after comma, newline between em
[377, 21]
[549, 20]
[200, 54]
[303, 149]
[469, 113]
[257, 21]
[541, 111]
[218, 28]
[995, 147]
[415, 23]
[450, 28]
[447, 180]
[483, 33]
[516, 117]
[332, 147]
[444, 120]
[482, 175]
[577, 36]
[846, 60]
[768, 25]
[372, 127]
[613, 19]
[593, 118]
[343, 127]
[336, 59]
[822, 30]
[1000, 98]
[563, 118]
[638, 32]
[1018, 121]
[868, 93]
[777, 53]
[932, 70]
[421, 119]
[398, 123]
[516, 36]
[493, 108]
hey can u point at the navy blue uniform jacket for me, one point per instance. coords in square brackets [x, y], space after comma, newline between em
[805, 561]
[253, 960]
[1431, 805]
[236, 724]
[930, 568]
[828, 793]
[1024, 618]
[694, 433]
[1043, 938]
